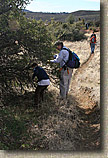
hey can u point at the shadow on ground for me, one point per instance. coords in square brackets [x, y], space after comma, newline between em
[56, 125]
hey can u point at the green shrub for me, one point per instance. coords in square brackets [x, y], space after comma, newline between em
[97, 23]
[20, 45]
[73, 33]
[70, 19]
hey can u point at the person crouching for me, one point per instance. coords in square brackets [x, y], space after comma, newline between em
[42, 83]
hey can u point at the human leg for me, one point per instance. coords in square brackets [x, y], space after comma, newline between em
[43, 88]
[64, 83]
[92, 47]
[69, 80]
[37, 95]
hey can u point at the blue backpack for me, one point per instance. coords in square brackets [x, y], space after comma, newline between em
[73, 61]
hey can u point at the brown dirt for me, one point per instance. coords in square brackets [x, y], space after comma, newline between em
[74, 124]
[71, 125]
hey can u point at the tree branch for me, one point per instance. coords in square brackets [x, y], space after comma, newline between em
[5, 10]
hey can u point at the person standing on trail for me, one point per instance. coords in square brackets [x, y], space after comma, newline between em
[87, 26]
[66, 72]
[92, 42]
[43, 82]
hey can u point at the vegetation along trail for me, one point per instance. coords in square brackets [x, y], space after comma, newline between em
[59, 125]
[72, 124]
[75, 124]
[86, 87]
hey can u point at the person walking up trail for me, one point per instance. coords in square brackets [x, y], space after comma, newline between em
[43, 82]
[92, 42]
[66, 72]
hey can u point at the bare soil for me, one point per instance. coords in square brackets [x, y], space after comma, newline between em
[70, 125]
[75, 124]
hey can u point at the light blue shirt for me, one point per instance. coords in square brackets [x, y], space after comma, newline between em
[62, 57]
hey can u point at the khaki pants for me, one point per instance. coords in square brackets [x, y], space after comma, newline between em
[65, 82]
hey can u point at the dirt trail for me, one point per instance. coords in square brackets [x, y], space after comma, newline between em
[72, 125]
[88, 104]
[75, 124]
[83, 66]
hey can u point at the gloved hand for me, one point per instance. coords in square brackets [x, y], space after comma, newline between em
[48, 61]
[55, 56]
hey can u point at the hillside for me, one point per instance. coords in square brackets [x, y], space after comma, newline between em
[87, 15]
[72, 125]
[88, 76]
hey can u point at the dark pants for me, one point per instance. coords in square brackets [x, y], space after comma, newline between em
[39, 94]
[92, 47]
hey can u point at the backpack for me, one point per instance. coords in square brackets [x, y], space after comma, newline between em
[93, 39]
[73, 61]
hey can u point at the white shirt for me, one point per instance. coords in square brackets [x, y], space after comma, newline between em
[62, 57]
[44, 82]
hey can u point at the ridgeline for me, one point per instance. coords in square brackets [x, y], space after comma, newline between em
[62, 16]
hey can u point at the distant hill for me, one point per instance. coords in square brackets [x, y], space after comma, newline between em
[28, 11]
[82, 14]
[87, 15]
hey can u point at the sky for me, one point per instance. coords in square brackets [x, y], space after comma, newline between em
[63, 5]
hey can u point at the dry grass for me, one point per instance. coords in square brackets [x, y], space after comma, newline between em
[72, 125]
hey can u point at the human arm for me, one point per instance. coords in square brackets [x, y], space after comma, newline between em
[58, 58]
[35, 73]
[33, 76]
